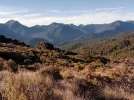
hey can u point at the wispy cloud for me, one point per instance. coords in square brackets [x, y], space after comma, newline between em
[78, 11]
[11, 10]
[108, 9]
[5, 13]
[96, 10]
[99, 15]
[31, 15]
[54, 11]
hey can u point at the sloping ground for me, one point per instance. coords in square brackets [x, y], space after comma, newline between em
[47, 73]
[43, 53]
[119, 46]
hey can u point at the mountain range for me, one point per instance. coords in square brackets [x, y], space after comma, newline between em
[57, 33]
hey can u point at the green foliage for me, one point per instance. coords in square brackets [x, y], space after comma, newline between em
[119, 46]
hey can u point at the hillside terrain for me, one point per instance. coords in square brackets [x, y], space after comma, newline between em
[117, 47]
[57, 33]
[101, 70]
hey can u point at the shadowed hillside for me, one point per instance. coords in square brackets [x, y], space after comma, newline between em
[119, 46]
[58, 33]
[44, 72]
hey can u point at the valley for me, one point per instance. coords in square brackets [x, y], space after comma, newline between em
[58, 33]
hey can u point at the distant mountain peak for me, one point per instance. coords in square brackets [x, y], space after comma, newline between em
[12, 22]
[72, 24]
[55, 23]
[57, 33]
[81, 25]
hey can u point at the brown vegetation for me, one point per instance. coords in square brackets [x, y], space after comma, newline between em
[47, 73]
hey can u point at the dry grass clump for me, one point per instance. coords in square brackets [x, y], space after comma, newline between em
[116, 93]
[76, 89]
[35, 86]
[67, 90]
[53, 71]
[54, 83]
[27, 86]
[68, 73]
[10, 65]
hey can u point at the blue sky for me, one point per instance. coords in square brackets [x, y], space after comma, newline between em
[44, 12]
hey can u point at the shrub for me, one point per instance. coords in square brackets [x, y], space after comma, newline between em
[76, 89]
[51, 70]
[28, 86]
[116, 93]
[10, 65]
